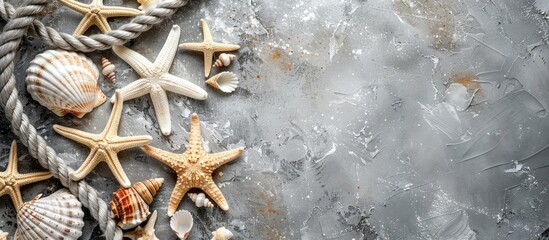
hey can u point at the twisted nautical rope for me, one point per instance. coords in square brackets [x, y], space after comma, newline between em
[18, 21]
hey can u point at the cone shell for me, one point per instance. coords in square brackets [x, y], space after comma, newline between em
[222, 234]
[107, 69]
[64, 82]
[131, 205]
[181, 224]
[200, 200]
[224, 60]
[58, 216]
[225, 81]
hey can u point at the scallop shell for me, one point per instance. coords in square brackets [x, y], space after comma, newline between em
[3, 235]
[224, 81]
[131, 205]
[181, 224]
[107, 69]
[222, 234]
[224, 60]
[64, 82]
[200, 200]
[57, 216]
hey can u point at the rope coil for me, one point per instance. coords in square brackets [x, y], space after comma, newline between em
[18, 20]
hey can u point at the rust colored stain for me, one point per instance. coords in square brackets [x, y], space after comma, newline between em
[275, 55]
[282, 60]
[469, 81]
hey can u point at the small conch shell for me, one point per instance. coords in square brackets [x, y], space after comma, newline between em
[222, 234]
[131, 205]
[224, 60]
[181, 224]
[224, 81]
[57, 216]
[200, 200]
[108, 69]
[3, 235]
[64, 82]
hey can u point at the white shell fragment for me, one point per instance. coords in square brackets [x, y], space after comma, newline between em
[224, 81]
[224, 60]
[181, 224]
[3, 235]
[200, 200]
[107, 69]
[57, 216]
[148, 4]
[64, 82]
[222, 234]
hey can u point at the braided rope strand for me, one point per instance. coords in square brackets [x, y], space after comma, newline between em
[18, 21]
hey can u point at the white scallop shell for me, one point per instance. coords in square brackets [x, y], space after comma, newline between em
[200, 200]
[222, 234]
[182, 223]
[64, 82]
[224, 81]
[57, 216]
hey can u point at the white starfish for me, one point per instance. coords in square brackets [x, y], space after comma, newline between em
[155, 79]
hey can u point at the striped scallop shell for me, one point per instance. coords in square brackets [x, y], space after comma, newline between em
[57, 216]
[64, 82]
[131, 205]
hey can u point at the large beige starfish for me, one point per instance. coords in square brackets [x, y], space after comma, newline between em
[146, 233]
[11, 180]
[194, 167]
[105, 145]
[208, 47]
[155, 79]
[96, 13]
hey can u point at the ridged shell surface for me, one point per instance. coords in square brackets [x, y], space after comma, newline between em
[57, 216]
[182, 223]
[131, 205]
[64, 82]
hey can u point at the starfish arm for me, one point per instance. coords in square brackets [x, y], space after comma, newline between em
[28, 178]
[102, 24]
[165, 58]
[139, 63]
[76, 135]
[213, 191]
[117, 170]
[178, 193]
[16, 199]
[162, 110]
[114, 118]
[83, 26]
[208, 56]
[165, 157]
[220, 158]
[206, 31]
[222, 47]
[122, 143]
[181, 86]
[89, 164]
[12, 161]
[112, 11]
[135, 89]
[193, 46]
[152, 220]
[195, 139]
[76, 6]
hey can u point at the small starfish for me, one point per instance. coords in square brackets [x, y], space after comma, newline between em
[11, 180]
[105, 145]
[194, 167]
[96, 13]
[208, 47]
[155, 79]
[146, 233]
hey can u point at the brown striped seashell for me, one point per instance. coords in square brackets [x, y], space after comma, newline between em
[107, 69]
[131, 205]
[224, 60]
[64, 82]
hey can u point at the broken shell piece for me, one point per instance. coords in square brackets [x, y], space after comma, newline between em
[57, 216]
[225, 81]
[131, 205]
[148, 4]
[145, 233]
[64, 82]
[3, 235]
[182, 223]
[222, 234]
[200, 200]
[108, 69]
[224, 60]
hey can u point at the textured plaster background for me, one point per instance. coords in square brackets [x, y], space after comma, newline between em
[403, 119]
